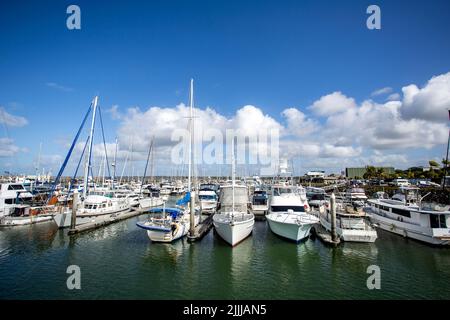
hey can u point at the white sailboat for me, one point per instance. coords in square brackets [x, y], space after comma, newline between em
[174, 223]
[234, 222]
[287, 214]
[97, 204]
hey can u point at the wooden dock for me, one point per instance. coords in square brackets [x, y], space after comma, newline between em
[325, 236]
[101, 222]
[201, 229]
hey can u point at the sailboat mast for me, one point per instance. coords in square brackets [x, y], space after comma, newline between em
[191, 162]
[191, 135]
[91, 140]
[114, 165]
[233, 175]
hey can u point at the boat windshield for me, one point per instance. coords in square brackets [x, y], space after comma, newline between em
[286, 208]
[316, 196]
[280, 191]
[207, 197]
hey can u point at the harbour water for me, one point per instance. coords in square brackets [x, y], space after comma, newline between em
[119, 262]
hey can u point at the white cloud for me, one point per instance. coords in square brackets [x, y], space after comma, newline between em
[381, 91]
[8, 148]
[298, 124]
[115, 113]
[11, 120]
[332, 103]
[393, 97]
[59, 87]
[430, 102]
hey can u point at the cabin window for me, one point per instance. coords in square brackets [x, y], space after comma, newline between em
[15, 187]
[9, 201]
[442, 221]
[404, 213]
[434, 221]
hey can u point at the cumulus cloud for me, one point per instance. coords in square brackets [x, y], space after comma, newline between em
[333, 103]
[430, 102]
[298, 124]
[11, 120]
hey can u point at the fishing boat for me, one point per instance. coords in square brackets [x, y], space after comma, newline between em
[287, 215]
[234, 222]
[407, 215]
[352, 224]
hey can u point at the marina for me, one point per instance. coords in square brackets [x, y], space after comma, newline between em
[242, 151]
[119, 262]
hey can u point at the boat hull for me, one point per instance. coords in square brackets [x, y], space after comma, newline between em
[409, 230]
[351, 235]
[233, 232]
[288, 229]
[147, 203]
[169, 236]
[9, 221]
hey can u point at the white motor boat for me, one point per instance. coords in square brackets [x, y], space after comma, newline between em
[94, 207]
[352, 224]
[208, 201]
[287, 215]
[260, 203]
[20, 215]
[406, 216]
[234, 222]
[355, 195]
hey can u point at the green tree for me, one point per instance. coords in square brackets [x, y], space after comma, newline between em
[433, 164]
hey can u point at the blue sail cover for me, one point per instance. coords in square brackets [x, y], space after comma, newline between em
[185, 200]
[173, 212]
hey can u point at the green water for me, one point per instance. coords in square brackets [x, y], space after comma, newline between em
[120, 262]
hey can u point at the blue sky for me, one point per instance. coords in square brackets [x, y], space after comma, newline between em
[270, 54]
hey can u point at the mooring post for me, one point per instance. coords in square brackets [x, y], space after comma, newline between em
[333, 217]
[73, 221]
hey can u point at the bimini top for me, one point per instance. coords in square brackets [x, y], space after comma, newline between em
[174, 212]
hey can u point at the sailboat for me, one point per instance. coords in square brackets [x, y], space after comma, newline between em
[170, 224]
[153, 198]
[94, 204]
[234, 222]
